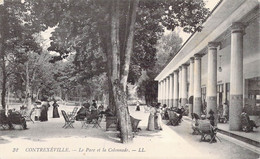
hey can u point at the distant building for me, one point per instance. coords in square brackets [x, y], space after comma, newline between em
[219, 64]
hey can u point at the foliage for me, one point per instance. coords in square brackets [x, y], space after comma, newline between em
[167, 46]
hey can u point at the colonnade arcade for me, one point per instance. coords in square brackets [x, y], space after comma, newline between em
[176, 90]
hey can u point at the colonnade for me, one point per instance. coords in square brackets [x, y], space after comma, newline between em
[174, 92]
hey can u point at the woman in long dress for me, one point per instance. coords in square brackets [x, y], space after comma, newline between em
[158, 118]
[55, 113]
[44, 112]
[150, 126]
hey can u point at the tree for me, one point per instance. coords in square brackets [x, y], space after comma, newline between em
[115, 28]
[16, 38]
[166, 48]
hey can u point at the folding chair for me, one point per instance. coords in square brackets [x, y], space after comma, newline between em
[97, 121]
[68, 121]
[28, 116]
[84, 123]
[205, 130]
[73, 113]
[195, 124]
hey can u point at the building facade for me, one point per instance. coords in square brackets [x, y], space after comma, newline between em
[220, 64]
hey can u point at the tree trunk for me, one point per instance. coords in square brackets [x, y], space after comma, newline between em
[3, 95]
[117, 88]
[122, 113]
[129, 44]
[2, 53]
[28, 88]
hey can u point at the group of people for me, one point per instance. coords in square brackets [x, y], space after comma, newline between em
[43, 115]
[155, 118]
[89, 110]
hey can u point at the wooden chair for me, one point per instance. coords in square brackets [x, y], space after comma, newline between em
[94, 118]
[206, 129]
[195, 123]
[73, 113]
[134, 123]
[28, 116]
[68, 121]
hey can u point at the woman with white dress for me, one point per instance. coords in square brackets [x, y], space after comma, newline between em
[158, 117]
[151, 119]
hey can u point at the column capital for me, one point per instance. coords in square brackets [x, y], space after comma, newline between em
[176, 71]
[238, 27]
[184, 66]
[213, 45]
[192, 60]
[180, 68]
[197, 56]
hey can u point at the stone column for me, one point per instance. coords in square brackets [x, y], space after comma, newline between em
[164, 83]
[167, 91]
[184, 86]
[170, 90]
[162, 88]
[191, 86]
[197, 84]
[175, 89]
[159, 91]
[180, 87]
[212, 79]
[236, 76]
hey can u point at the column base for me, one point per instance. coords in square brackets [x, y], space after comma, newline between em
[197, 105]
[212, 105]
[184, 101]
[235, 110]
[175, 102]
[190, 109]
[170, 103]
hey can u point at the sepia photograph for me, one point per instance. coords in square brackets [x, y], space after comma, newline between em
[129, 79]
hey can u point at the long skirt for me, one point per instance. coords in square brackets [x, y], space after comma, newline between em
[150, 126]
[158, 121]
[55, 112]
[44, 115]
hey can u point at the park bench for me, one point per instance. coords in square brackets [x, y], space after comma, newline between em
[247, 124]
[13, 118]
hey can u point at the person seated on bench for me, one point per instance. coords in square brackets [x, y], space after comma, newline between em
[15, 117]
[212, 123]
[247, 124]
[82, 113]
